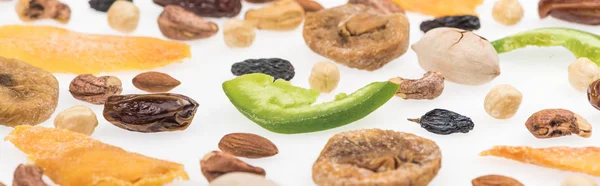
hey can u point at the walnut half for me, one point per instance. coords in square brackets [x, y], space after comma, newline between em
[31, 10]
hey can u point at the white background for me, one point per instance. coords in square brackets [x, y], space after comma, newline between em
[539, 73]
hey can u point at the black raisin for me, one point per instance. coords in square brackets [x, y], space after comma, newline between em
[465, 22]
[278, 68]
[102, 5]
[444, 122]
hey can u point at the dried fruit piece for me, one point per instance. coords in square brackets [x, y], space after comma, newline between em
[429, 87]
[377, 157]
[216, 164]
[503, 101]
[150, 112]
[576, 180]
[465, 22]
[31, 10]
[207, 8]
[103, 5]
[97, 163]
[242, 179]
[507, 12]
[581, 159]
[59, 50]
[96, 90]
[495, 180]
[582, 73]
[440, 8]
[577, 11]
[324, 77]
[28, 175]
[123, 16]
[278, 68]
[238, 33]
[29, 94]
[310, 5]
[177, 23]
[593, 94]
[551, 123]
[281, 15]
[444, 122]
[382, 6]
[155, 82]
[247, 145]
[77, 119]
[259, 1]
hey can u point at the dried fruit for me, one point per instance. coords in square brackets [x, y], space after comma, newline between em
[310, 5]
[241, 179]
[377, 157]
[216, 164]
[444, 122]
[440, 8]
[2, 184]
[102, 5]
[207, 8]
[96, 90]
[238, 33]
[551, 123]
[29, 95]
[582, 73]
[576, 180]
[150, 112]
[77, 119]
[59, 50]
[123, 16]
[503, 101]
[177, 23]
[429, 87]
[324, 77]
[155, 82]
[495, 180]
[461, 56]
[382, 6]
[507, 12]
[594, 94]
[577, 11]
[97, 163]
[465, 22]
[278, 68]
[31, 10]
[581, 159]
[259, 1]
[247, 145]
[341, 34]
[281, 15]
[28, 175]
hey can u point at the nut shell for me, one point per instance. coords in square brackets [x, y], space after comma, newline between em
[177, 23]
[96, 90]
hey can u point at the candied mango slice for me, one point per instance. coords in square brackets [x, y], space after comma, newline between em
[440, 8]
[74, 159]
[59, 50]
[584, 159]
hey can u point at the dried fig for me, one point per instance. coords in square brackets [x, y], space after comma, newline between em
[281, 15]
[177, 23]
[31, 10]
[552, 123]
[377, 157]
[29, 94]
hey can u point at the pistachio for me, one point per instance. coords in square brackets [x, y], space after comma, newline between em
[96, 90]
[503, 101]
[281, 15]
[178, 23]
[429, 87]
[582, 73]
[155, 82]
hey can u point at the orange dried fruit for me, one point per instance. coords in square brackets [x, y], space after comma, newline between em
[584, 159]
[59, 50]
[74, 159]
[440, 8]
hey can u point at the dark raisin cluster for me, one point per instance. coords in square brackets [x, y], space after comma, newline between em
[102, 5]
[278, 68]
[465, 22]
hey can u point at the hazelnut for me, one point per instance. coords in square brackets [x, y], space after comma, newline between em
[503, 101]
[582, 72]
[77, 119]
[507, 12]
[123, 16]
[239, 33]
[324, 77]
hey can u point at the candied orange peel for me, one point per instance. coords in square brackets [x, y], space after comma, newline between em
[59, 50]
[584, 159]
[73, 159]
[440, 8]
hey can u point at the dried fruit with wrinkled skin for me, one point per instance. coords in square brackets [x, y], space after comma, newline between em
[238, 33]
[150, 112]
[54, 150]
[577, 159]
[576, 180]
[215, 164]
[577, 11]
[593, 93]
[259, 1]
[58, 50]
[96, 90]
[430, 86]
[465, 22]
[155, 82]
[582, 73]
[278, 68]
[440, 8]
[77, 119]
[507, 12]
[242, 179]
[382, 6]
[444, 122]
[324, 77]
[247, 145]
[123, 16]
[310, 5]
[377, 157]
[31, 10]
[503, 101]
[495, 180]
[29, 94]
[102, 5]
[207, 8]
[551, 123]
[178, 23]
[357, 36]
[28, 175]
[281, 15]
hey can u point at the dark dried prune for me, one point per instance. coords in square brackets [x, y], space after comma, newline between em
[465, 22]
[207, 8]
[278, 68]
[102, 5]
[444, 122]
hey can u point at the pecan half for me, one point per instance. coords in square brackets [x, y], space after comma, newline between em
[577, 11]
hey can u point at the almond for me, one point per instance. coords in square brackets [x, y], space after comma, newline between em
[495, 180]
[247, 145]
[155, 82]
[310, 5]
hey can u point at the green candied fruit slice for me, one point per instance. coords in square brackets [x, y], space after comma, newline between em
[283, 108]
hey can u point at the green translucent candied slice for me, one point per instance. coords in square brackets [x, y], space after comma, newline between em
[283, 108]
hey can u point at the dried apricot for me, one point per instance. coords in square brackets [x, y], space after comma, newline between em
[440, 8]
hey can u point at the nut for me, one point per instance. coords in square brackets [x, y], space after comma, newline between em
[582, 72]
[238, 33]
[361, 23]
[593, 93]
[234, 179]
[96, 90]
[247, 145]
[507, 12]
[503, 101]
[155, 82]
[2, 184]
[382, 6]
[324, 77]
[259, 1]
[28, 175]
[216, 164]
[123, 16]
[31, 10]
[310, 5]
[495, 180]
[281, 15]
[429, 87]
[178, 23]
[577, 11]
[552, 123]
[77, 119]
[576, 180]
